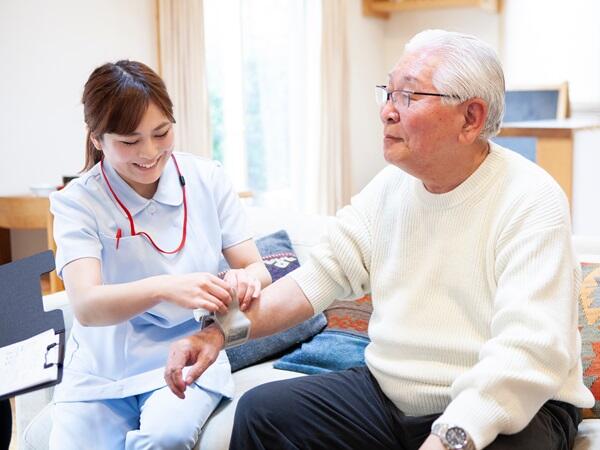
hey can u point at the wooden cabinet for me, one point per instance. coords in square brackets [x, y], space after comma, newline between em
[27, 213]
[383, 8]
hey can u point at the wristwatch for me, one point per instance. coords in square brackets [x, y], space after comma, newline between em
[453, 437]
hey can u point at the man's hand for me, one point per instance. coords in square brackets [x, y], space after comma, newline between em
[432, 443]
[199, 351]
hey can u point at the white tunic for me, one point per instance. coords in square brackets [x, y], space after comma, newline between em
[127, 359]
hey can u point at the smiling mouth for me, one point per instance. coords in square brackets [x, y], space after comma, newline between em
[147, 166]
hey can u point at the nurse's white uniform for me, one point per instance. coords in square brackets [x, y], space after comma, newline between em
[113, 394]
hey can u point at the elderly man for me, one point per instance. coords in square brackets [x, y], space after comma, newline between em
[465, 248]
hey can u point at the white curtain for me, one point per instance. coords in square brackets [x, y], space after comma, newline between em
[334, 168]
[182, 67]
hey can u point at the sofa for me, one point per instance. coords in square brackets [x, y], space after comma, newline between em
[33, 410]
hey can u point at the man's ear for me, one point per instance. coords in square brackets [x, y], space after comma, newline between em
[96, 142]
[475, 113]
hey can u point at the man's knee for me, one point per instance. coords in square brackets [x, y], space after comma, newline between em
[256, 404]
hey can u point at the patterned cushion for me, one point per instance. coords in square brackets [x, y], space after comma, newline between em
[280, 259]
[277, 254]
[341, 345]
[589, 326]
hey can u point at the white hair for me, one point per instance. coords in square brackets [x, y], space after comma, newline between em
[469, 68]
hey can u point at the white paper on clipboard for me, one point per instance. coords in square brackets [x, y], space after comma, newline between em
[29, 363]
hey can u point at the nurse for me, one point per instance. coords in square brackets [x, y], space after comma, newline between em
[139, 239]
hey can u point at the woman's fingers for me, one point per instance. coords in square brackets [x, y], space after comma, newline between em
[218, 288]
[211, 303]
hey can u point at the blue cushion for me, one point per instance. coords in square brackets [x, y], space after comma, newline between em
[279, 258]
[327, 351]
[257, 350]
[341, 345]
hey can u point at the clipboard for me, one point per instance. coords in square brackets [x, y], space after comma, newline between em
[22, 315]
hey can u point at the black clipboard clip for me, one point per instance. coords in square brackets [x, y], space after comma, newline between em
[51, 363]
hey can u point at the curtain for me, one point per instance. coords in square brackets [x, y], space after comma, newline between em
[182, 67]
[334, 156]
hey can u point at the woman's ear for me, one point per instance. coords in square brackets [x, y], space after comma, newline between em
[96, 142]
[475, 115]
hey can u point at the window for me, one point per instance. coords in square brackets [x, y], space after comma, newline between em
[262, 59]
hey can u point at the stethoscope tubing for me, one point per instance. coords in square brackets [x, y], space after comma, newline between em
[119, 232]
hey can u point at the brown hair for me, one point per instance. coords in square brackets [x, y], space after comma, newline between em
[115, 98]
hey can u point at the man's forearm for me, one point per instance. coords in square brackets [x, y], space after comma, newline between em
[260, 272]
[279, 307]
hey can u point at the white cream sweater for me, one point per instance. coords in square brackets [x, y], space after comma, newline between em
[474, 293]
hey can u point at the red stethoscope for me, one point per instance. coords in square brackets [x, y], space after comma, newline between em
[143, 233]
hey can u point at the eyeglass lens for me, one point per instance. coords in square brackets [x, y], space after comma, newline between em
[398, 98]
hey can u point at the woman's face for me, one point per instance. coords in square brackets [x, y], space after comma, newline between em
[140, 157]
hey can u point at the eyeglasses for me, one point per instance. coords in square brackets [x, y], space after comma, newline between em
[402, 97]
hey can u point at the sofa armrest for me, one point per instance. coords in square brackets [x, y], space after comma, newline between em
[587, 248]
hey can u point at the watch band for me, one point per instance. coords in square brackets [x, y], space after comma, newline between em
[453, 437]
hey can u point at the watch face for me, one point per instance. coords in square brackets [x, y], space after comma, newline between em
[456, 437]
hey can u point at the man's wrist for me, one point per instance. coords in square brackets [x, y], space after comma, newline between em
[453, 437]
[215, 332]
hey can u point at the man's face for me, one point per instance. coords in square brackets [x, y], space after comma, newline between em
[421, 138]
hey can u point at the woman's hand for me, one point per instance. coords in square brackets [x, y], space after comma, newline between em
[197, 290]
[248, 287]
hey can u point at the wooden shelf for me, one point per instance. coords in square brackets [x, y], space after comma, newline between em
[383, 8]
[28, 213]
[45, 284]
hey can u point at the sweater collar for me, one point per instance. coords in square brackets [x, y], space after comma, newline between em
[476, 183]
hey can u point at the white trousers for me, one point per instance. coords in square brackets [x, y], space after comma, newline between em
[154, 420]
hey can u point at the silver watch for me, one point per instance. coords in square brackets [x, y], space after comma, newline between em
[453, 437]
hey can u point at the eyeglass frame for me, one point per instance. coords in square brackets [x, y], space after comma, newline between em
[407, 93]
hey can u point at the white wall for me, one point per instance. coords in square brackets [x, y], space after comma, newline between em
[403, 25]
[47, 51]
[550, 41]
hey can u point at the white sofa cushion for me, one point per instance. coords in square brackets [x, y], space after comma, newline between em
[217, 432]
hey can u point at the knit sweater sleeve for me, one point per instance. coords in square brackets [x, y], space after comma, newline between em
[533, 341]
[339, 267]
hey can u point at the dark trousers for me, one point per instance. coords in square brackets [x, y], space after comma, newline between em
[348, 410]
[5, 424]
